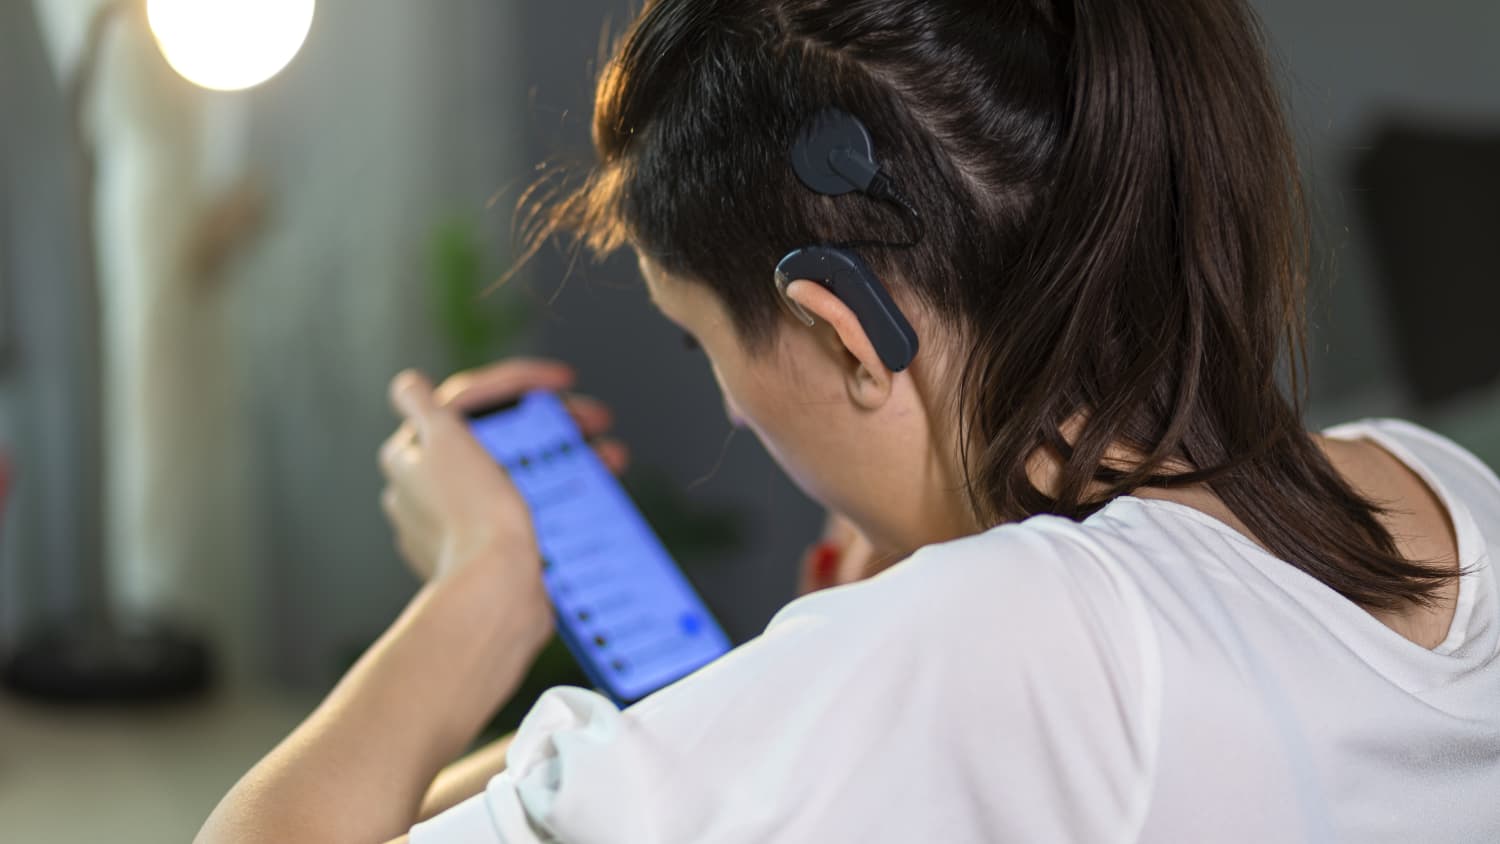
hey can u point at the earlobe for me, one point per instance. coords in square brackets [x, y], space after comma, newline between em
[868, 381]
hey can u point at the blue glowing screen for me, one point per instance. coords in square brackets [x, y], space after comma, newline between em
[624, 608]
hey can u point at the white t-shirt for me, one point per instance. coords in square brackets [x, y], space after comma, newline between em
[1146, 675]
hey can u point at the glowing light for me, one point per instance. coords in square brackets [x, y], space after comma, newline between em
[229, 45]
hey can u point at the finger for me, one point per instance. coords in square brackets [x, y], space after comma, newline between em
[503, 381]
[804, 574]
[818, 568]
[398, 453]
[613, 454]
[403, 435]
[592, 416]
[412, 397]
[825, 561]
[402, 511]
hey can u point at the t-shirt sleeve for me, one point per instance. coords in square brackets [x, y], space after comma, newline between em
[999, 687]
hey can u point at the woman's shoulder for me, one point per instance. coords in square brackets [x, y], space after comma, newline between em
[1442, 454]
[1446, 465]
[1006, 562]
[1042, 587]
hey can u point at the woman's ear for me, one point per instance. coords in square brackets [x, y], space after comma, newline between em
[867, 380]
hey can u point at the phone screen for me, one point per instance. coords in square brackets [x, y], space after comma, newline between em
[624, 608]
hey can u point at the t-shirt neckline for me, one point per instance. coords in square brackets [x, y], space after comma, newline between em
[1472, 551]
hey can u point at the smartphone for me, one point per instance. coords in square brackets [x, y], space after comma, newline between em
[624, 608]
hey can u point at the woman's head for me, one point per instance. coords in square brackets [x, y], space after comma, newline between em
[1112, 256]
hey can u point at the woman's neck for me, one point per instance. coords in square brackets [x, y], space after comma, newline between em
[1422, 527]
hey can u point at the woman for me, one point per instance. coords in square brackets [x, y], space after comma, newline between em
[1135, 601]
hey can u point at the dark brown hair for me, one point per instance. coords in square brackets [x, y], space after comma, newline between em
[1114, 228]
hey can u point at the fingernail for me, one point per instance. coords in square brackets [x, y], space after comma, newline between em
[825, 562]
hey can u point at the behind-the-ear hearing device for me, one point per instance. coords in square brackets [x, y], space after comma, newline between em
[847, 276]
[834, 155]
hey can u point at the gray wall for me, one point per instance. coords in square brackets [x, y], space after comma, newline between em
[38, 219]
[398, 114]
[395, 117]
[1348, 64]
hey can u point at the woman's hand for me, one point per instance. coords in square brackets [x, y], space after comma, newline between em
[843, 556]
[448, 500]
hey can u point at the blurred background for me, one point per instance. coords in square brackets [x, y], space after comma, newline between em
[266, 259]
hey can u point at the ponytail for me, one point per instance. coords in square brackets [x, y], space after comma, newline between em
[1116, 239]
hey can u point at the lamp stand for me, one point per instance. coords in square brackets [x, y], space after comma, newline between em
[96, 657]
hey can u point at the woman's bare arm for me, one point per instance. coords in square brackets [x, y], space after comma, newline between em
[358, 768]
[465, 778]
